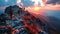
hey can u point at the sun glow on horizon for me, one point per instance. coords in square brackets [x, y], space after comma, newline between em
[36, 8]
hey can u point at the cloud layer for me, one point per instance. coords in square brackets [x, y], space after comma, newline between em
[27, 3]
[7, 2]
[53, 1]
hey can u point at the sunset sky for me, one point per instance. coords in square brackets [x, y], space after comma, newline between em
[50, 7]
[46, 8]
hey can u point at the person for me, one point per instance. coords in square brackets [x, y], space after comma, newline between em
[4, 28]
[2, 19]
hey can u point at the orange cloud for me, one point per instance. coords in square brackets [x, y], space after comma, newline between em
[52, 7]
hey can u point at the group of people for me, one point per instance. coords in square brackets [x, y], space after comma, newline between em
[18, 21]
